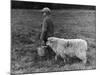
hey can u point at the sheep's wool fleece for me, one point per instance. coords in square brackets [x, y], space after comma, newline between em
[69, 46]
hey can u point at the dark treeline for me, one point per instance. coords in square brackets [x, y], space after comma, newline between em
[40, 5]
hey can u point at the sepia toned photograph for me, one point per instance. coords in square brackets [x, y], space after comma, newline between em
[52, 37]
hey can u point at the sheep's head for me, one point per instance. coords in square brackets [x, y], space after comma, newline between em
[52, 42]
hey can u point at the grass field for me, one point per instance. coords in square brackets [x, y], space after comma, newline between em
[25, 27]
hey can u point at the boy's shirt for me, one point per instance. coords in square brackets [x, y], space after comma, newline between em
[47, 27]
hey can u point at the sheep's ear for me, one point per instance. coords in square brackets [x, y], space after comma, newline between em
[52, 40]
[48, 39]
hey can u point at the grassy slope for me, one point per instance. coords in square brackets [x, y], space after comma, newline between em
[25, 25]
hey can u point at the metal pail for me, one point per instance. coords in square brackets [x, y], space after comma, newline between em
[41, 50]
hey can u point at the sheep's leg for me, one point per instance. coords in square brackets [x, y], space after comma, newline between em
[64, 57]
[64, 61]
[84, 60]
[56, 57]
[82, 56]
[67, 59]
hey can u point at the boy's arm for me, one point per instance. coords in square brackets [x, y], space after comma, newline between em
[44, 29]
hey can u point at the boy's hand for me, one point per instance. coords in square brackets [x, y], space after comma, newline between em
[42, 43]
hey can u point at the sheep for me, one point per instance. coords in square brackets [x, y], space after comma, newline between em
[70, 47]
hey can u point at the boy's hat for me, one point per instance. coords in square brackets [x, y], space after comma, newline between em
[46, 9]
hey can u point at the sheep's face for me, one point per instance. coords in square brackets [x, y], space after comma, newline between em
[51, 42]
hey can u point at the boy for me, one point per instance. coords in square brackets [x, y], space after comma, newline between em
[47, 26]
